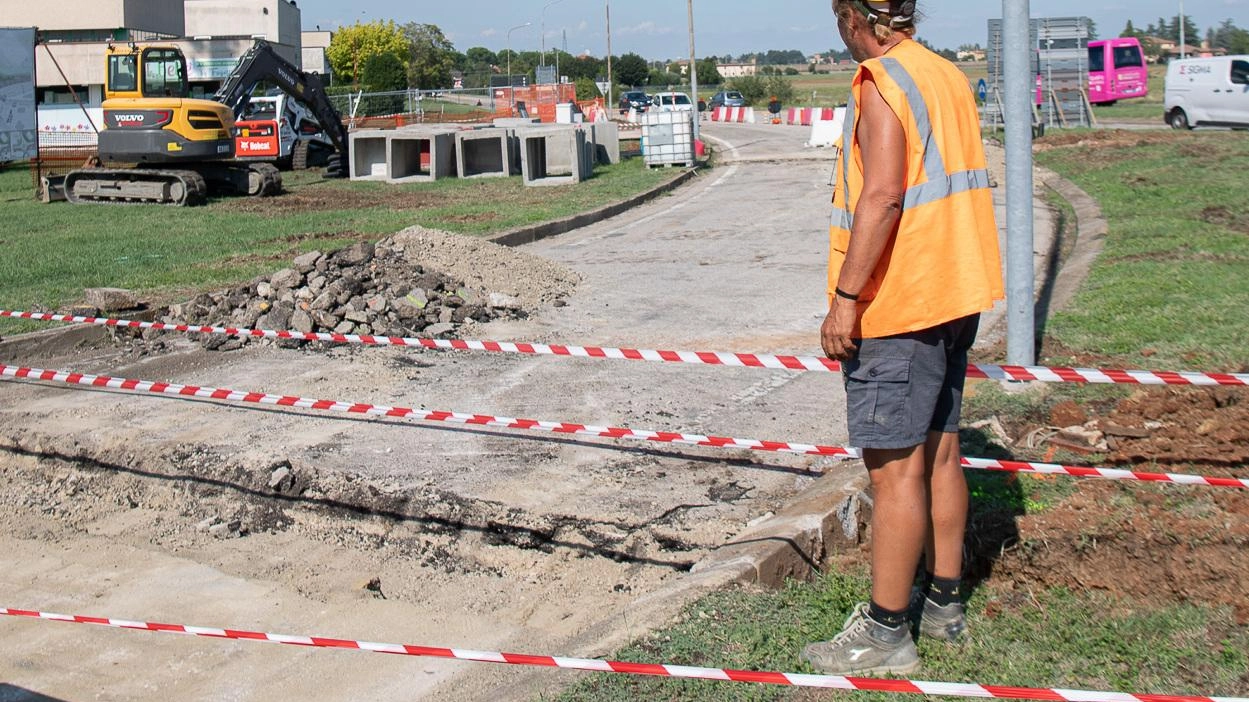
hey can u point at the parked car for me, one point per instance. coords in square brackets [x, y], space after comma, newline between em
[635, 100]
[1208, 92]
[672, 102]
[726, 98]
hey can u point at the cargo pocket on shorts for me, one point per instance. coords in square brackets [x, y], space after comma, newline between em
[884, 390]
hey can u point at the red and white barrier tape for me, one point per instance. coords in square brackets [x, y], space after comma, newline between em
[606, 432]
[707, 358]
[917, 687]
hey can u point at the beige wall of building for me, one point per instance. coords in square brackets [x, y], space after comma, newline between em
[159, 16]
[737, 70]
[226, 29]
[277, 20]
[314, 46]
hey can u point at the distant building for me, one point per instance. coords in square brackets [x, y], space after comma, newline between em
[74, 34]
[737, 70]
[315, 44]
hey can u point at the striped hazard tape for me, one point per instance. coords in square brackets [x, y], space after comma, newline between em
[706, 358]
[606, 432]
[917, 687]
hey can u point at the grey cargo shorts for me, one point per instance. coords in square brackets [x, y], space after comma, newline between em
[899, 388]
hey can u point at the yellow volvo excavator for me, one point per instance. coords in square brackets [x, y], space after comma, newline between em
[160, 146]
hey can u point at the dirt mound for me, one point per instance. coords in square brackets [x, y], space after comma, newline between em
[532, 279]
[419, 281]
[1140, 542]
[1184, 426]
[1106, 138]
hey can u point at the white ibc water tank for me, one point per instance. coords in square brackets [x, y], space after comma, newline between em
[668, 138]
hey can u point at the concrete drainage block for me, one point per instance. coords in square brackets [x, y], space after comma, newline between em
[485, 153]
[418, 156]
[552, 155]
[368, 155]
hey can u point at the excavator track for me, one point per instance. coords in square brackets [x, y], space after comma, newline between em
[263, 180]
[136, 186]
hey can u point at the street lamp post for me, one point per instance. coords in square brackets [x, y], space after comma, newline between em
[542, 60]
[610, 82]
[510, 91]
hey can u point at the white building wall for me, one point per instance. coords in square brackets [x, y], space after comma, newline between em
[160, 16]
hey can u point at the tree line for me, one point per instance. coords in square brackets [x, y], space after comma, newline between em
[1226, 36]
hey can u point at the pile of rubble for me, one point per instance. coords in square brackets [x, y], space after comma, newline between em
[365, 289]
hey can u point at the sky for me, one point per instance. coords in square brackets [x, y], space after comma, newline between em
[658, 29]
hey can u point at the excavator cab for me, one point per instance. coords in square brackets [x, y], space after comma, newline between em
[151, 72]
[148, 118]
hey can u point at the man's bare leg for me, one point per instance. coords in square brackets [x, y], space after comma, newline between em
[900, 517]
[948, 506]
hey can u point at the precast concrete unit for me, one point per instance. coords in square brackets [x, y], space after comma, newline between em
[552, 155]
[369, 155]
[485, 153]
[606, 138]
[418, 155]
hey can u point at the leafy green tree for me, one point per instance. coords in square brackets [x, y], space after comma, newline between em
[481, 55]
[631, 70]
[352, 46]
[587, 90]
[708, 74]
[661, 78]
[431, 56]
[1231, 38]
[780, 88]
[384, 73]
[752, 88]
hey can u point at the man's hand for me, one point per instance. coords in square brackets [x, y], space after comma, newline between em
[837, 328]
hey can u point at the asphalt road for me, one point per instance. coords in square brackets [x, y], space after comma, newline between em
[481, 539]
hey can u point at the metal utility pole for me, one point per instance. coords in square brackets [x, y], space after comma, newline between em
[1183, 39]
[611, 84]
[1020, 92]
[693, 68]
[542, 57]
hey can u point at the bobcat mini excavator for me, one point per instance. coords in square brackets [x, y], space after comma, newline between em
[162, 147]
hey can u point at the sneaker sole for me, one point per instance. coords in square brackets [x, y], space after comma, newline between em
[940, 632]
[878, 670]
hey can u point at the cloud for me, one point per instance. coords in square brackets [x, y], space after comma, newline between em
[647, 28]
[489, 32]
[583, 26]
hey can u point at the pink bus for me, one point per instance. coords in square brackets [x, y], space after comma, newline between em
[1117, 70]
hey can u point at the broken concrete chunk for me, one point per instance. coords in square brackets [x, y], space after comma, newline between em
[500, 301]
[286, 279]
[111, 299]
[307, 262]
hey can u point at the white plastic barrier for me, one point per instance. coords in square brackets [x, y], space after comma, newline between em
[827, 132]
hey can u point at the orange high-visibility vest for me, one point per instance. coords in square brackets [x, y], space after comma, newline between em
[942, 262]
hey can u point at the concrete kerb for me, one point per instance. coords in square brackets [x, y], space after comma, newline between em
[537, 232]
[1091, 228]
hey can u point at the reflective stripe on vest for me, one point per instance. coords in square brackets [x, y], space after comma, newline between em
[939, 185]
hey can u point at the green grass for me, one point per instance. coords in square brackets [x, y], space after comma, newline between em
[1026, 638]
[54, 251]
[1171, 279]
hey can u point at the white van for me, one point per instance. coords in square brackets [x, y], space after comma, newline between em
[1208, 92]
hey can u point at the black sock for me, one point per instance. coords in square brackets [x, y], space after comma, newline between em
[887, 617]
[945, 591]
